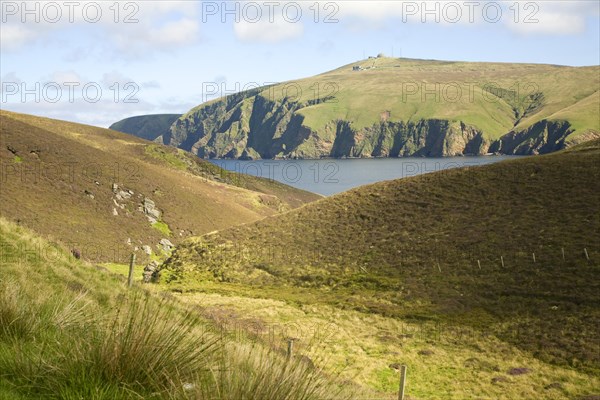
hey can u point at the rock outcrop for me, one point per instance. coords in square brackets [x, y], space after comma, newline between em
[149, 208]
[151, 273]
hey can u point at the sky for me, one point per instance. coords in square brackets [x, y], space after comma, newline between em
[96, 62]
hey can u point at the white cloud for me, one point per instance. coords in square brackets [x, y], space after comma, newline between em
[133, 28]
[64, 76]
[11, 77]
[551, 17]
[268, 32]
[176, 33]
[14, 37]
[559, 17]
[151, 85]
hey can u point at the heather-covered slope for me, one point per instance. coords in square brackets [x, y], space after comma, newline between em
[107, 193]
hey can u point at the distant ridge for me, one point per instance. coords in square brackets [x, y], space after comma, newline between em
[398, 107]
[150, 127]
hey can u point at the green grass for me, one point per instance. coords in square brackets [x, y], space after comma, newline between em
[123, 269]
[362, 96]
[162, 227]
[70, 331]
[171, 157]
[409, 249]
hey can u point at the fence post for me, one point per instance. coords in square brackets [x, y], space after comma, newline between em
[563, 253]
[587, 256]
[479, 264]
[502, 260]
[403, 369]
[533, 257]
[131, 265]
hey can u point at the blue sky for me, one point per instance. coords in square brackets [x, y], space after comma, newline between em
[167, 52]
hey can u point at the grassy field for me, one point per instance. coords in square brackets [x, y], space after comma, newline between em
[509, 251]
[71, 331]
[57, 178]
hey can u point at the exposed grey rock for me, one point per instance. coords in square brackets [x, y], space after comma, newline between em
[115, 187]
[151, 273]
[150, 210]
[166, 244]
[124, 195]
[115, 213]
[147, 249]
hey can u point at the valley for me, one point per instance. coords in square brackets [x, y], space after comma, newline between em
[393, 228]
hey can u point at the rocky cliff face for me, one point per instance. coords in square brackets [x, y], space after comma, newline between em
[250, 126]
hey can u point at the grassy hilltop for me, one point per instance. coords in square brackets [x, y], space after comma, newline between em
[476, 249]
[59, 178]
[390, 107]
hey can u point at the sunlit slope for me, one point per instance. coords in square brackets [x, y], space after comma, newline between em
[401, 107]
[512, 247]
[69, 330]
[91, 187]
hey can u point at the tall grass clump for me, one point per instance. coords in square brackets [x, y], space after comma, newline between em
[70, 331]
[143, 348]
[252, 371]
[16, 316]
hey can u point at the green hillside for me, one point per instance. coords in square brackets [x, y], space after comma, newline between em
[390, 107]
[149, 127]
[69, 330]
[108, 194]
[510, 251]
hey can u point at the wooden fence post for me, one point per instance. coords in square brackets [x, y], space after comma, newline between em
[403, 369]
[563, 252]
[587, 256]
[131, 265]
[479, 264]
[502, 260]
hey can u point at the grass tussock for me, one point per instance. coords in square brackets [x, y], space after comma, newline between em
[57, 341]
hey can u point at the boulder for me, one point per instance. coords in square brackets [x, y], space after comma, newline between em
[147, 249]
[150, 210]
[166, 244]
[151, 273]
[123, 195]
